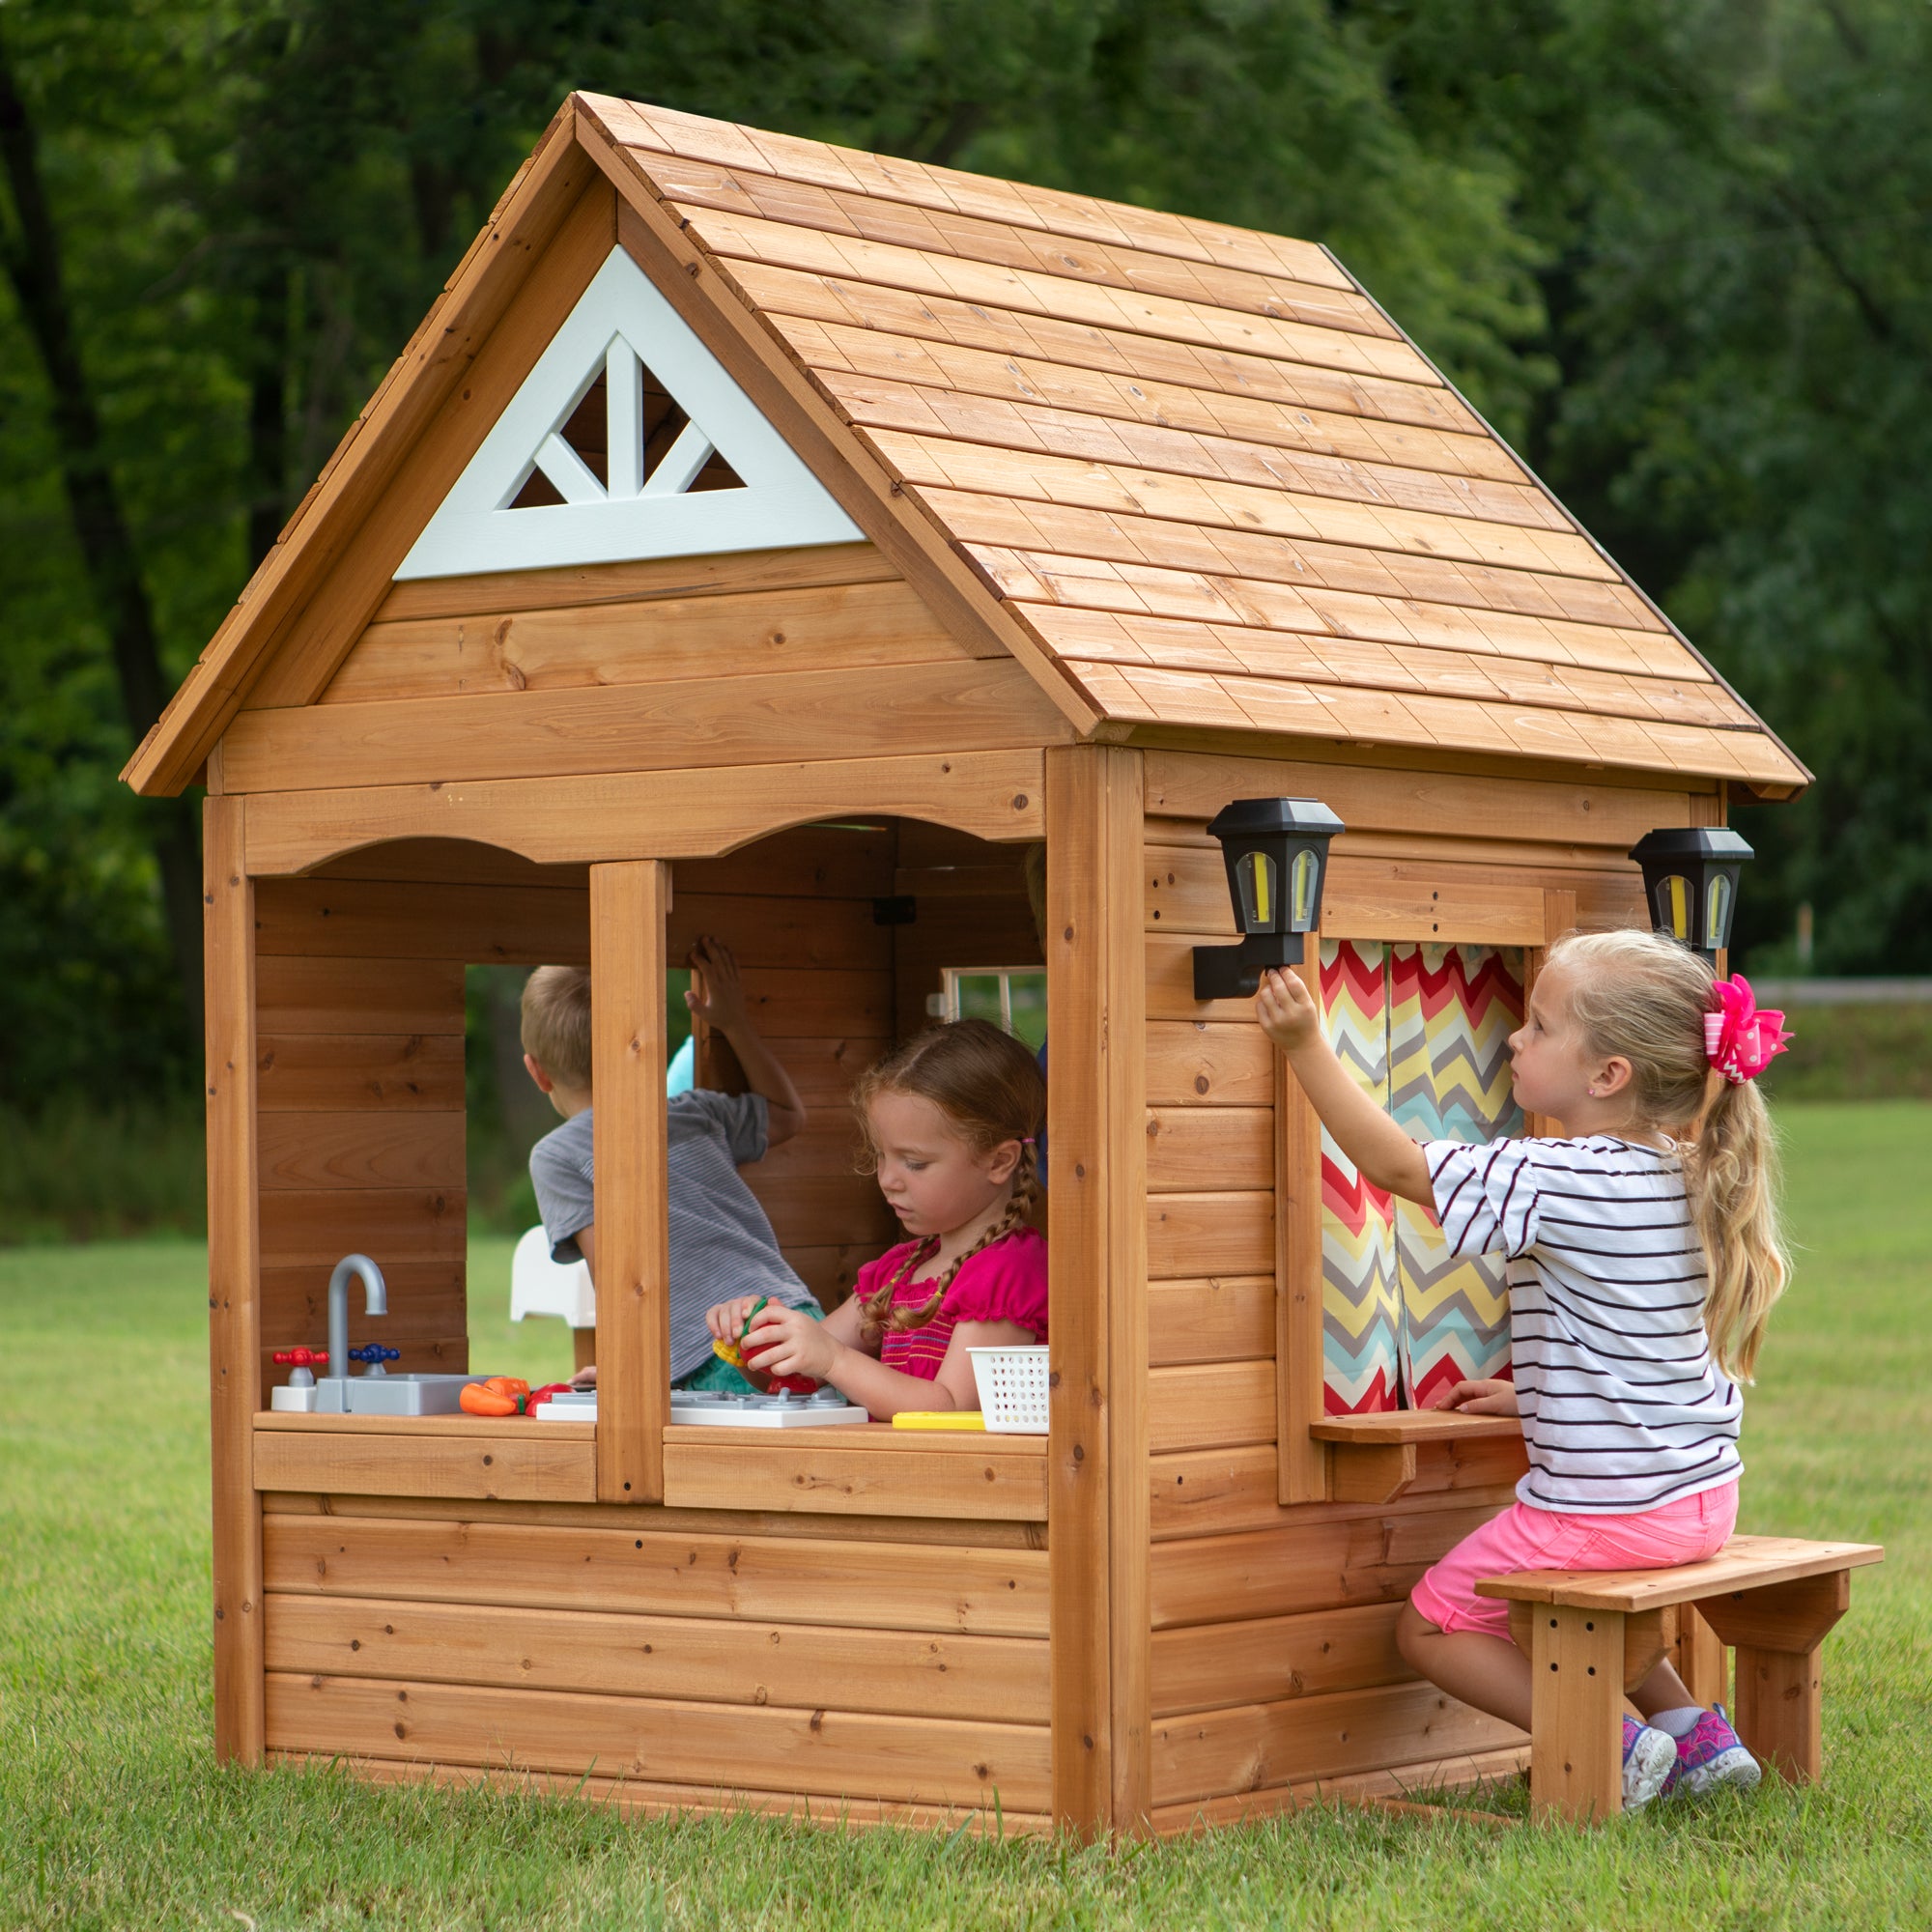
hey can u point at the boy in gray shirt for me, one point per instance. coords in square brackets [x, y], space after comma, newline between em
[722, 1243]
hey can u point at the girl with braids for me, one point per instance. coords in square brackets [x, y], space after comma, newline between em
[1643, 1259]
[952, 1124]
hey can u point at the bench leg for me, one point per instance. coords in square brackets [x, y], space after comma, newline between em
[1776, 1634]
[1576, 1706]
[1698, 1656]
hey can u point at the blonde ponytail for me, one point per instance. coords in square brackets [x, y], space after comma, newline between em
[1643, 996]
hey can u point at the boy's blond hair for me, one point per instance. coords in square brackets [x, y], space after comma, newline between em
[556, 1023]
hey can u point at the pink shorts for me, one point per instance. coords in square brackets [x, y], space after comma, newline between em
[1523, 1538]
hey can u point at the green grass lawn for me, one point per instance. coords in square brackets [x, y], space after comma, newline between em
[113, 1813]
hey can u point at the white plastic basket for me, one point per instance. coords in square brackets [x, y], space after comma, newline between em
[1013, 1389]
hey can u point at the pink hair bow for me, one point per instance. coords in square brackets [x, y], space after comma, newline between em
[1739, 1040]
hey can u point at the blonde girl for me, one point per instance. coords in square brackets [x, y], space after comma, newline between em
[952, 1124]
[1643, 1259]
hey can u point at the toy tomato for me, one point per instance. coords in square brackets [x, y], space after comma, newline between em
[761, 1380]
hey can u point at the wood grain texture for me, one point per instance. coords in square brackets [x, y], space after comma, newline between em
[678, 723]
[561, 648]
[1250, 1747]
[1369, 1558]
[674, 1572]
[1210, 1405]
[1098, 1447]
[480, 925]
[1218, 1318]
[1576, 1679]
[364, 1073]
[1003, 1680]
[643, 579]
[1190, 1148]
[682, 814]
[1304, 1470]
[791, 1474]
[1272, 1659]
[830, 1755]
[410, 1149]
[1198, 1064]
[628, 904]
[234, 1263]
[533, 1464]
[1225, 1233]
[301, 995]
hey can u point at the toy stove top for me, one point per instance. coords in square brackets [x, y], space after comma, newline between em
[729, 1409]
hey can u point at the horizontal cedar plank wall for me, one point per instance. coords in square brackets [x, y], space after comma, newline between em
[1000, 1678]
[832, 1272]
[480, 925]
[703, 1474]
[1221, 1319]
[410, 1148]
[1265, 1660]
[676, 814]
[1251, 1747]
[535, 1464]
[1194, 1148]
[640, 643]
[788, 933]
[1193, 1817]
[1199, 1064]
[359, 996]
[654, 1520]
[652, 1798]
[1449, 902]
[1222, 1233]
[732, 573]
[818, 1580]
[1397, 798]
[828, 1753]
[690, 723]
[324, 1224]
[1216, 1404]
[1218, 1491]
[368, 1073]
[1313, 1566]
[841, 862]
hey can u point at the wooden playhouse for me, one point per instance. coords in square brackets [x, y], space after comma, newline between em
[768, 539]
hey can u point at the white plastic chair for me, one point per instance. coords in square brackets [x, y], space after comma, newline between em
[540, 1285]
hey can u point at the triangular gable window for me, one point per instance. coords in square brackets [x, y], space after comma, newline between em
[627, 439]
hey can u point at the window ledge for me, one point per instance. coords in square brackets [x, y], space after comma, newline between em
[1375, 1458]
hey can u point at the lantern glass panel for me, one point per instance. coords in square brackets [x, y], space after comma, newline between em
[1716, 911]
[1304, 875]
[1675, 897]
[1261, 902]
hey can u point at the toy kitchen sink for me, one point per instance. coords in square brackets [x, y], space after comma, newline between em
[374, 1392]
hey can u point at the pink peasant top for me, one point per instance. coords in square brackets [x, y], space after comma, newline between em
[1003, 1283]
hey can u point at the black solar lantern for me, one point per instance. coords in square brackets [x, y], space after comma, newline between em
[1691, 880]
[1276, 851]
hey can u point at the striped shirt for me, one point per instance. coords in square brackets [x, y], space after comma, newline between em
[1622, 1409]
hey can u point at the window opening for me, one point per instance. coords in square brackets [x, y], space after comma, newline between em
[1012, 997]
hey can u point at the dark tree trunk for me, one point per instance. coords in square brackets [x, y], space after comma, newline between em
[32, 263]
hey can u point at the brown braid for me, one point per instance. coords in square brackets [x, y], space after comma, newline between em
[989, 1085]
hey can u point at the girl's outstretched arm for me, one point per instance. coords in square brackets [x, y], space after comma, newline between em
[1383, 1152]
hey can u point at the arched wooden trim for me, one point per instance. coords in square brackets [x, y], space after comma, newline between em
[674, 814]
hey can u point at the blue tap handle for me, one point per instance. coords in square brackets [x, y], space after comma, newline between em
[374, 1351]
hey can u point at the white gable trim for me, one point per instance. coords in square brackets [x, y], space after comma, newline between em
[619, 321]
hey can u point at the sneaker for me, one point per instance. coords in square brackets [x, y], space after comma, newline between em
[1650, 1758]
[1710, 1759]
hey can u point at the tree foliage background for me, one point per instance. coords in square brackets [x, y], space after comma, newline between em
[1680, 251]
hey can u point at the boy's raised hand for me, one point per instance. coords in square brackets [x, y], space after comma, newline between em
[717, 993]
[1287, 1010]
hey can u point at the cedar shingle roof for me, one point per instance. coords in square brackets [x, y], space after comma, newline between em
[1199, 464]
[1194, 471]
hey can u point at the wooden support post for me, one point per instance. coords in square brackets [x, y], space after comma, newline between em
[234, 1282]
[1373, 1472]
[1302, 1463]
[1099, 1545]
[1700, 1658]
[1776, 1634]
[627, 1058]
[1577, 1702]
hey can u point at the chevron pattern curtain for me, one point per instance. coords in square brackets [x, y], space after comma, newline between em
[1425, 1030]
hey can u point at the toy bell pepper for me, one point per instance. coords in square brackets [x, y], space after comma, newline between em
[761, 1380]
[500, 1395]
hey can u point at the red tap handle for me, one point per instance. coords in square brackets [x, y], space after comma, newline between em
[302, 1358]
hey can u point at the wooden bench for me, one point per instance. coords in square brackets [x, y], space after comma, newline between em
[1590, 1635]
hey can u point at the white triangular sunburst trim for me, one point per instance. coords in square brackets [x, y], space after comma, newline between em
[619, 321]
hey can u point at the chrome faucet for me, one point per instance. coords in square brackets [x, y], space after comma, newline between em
[376, 1301]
